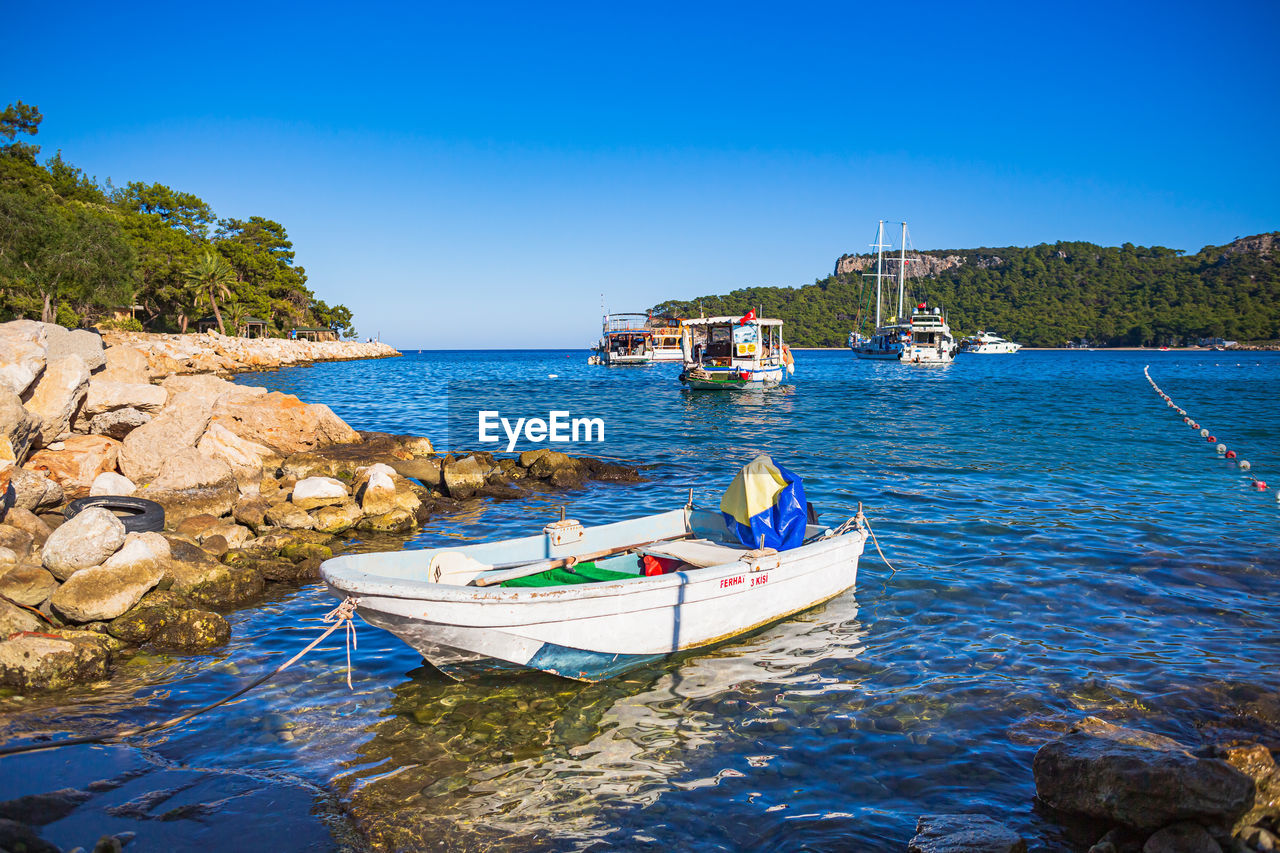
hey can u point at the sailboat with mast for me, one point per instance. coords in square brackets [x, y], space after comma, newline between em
[889, 340]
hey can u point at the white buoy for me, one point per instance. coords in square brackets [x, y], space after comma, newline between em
[1222, 448]
[1244, 465]
[1204, 433]
[553, 375]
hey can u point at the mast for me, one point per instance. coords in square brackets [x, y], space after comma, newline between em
[902, 269]
[879, 266]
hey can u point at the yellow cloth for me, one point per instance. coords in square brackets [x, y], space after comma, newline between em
[753, 490]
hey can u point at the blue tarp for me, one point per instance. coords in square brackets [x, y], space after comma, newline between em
[765, 504]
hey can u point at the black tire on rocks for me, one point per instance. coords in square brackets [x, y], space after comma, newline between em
[138, 515]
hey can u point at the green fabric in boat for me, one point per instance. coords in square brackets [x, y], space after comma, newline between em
[582, 573]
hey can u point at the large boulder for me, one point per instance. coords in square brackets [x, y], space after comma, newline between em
[1137, 779]
[464, 477]
[208, 390]
[125, 364]
[81, 459]
[111, 483]
[25, 519]
[54, 662]
[212, 584]
[1182, 838]
[338, 519]
[177, 427]
[106, 591]
[57, 395]
[83, 542]
[964, 833]
[289, 517]
[82, 343]
[107, 395]
[33, 490]
[245, 457]
[22, 353]
[168, 622]
[14, 620]
[189, 483]
[27, 584]
[377, 493]
[315, 492]
[283, 422]
[117, 423]
[19, 428]
[15, 539]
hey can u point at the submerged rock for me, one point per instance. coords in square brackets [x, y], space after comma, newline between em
[1137, 779]
[464, 477]
[1182, 838]
[964, 833]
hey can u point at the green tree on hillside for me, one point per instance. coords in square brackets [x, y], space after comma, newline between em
[211, 276]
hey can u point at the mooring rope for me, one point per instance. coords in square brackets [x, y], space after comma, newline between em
[1222, 449]
[340, 616]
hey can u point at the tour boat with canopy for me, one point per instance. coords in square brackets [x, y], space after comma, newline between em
[734, 353]
[625, 340]
[590, 602]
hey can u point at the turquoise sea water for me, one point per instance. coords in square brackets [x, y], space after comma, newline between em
[1063, 546]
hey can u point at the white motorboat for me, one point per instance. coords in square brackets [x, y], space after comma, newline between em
[931, 340]
[986, 343]
[577, 602]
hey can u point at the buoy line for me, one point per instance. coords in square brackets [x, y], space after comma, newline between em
[1242, 464]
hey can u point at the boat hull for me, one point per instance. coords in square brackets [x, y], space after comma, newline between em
[591, 632]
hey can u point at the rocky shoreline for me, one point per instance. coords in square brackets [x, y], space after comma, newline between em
[257, 488]
[167, 355]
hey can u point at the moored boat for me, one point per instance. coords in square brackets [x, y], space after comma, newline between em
[666, 340]
[590, 602]
[888, 340]
[987, 343]
[734, 353]
[625, 340]
[931, 340]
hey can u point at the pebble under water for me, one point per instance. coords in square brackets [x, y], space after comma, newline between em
[1063, 545]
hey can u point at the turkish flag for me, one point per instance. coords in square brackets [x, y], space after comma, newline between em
[748, 317]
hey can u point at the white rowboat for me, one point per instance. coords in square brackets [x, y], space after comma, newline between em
[592, 631]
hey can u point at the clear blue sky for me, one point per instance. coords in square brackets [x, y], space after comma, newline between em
[477, 175]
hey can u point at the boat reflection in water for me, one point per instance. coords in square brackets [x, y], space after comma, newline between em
[469, 764]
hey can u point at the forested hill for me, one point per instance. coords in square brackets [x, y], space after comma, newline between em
[1043, 295]
[79, 252]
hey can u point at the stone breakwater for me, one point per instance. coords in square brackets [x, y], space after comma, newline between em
[211, 352]
[257, 488]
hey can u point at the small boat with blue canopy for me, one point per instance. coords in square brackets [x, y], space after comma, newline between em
[588, 603]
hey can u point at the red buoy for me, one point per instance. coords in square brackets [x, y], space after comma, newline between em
[1259, 485]
[1210, 439]
[1231, 454]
